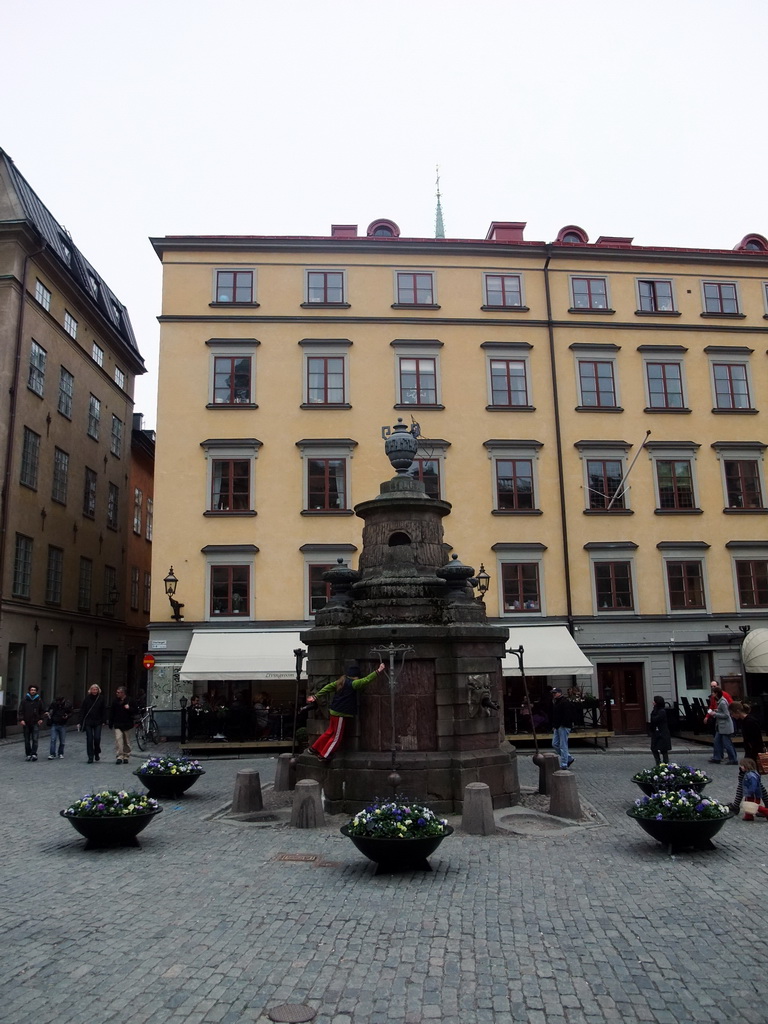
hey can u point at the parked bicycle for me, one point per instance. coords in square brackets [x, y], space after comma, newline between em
[147, 730]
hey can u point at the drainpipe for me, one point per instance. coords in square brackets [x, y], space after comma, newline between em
[559, 443]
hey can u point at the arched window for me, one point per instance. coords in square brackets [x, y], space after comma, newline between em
[572, 234]
[383, 228]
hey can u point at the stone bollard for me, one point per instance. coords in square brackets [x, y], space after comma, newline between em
[564, 796]
[477, 813]
[247, 798]
[548, 765]
[285, 774]
[307, 809]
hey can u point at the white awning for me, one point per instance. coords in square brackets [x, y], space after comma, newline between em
[241, 654]
[754, 651]
[547, 651]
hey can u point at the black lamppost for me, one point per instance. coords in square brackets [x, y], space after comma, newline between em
[299, 654]
[183, 702]
[171, 583]
[482, 582]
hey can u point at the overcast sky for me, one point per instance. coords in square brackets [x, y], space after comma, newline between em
[133, 118]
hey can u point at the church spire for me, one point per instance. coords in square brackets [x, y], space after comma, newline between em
[439, 227]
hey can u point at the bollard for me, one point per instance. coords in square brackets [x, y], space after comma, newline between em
[307, 811]
[564, 796]
[548, 764]
[477, 813]
[285, 774]
[247, 798]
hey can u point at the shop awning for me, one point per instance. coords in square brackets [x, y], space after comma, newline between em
[754, 651]
[547, 651]
[241, 654]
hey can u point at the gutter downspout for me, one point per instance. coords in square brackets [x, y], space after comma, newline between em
[559, 443]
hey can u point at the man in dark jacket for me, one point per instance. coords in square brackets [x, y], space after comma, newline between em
[31, 718]
[92, 715]
[121, 719]
[562, 723]
[58, 712]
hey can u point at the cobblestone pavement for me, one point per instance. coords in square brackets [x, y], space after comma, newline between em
[203, 923]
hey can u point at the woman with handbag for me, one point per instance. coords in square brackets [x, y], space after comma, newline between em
[92, 713]
[723, 742]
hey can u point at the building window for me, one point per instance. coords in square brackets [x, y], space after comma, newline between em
[589, 292]
[60, 476]
[613, 586]
[504, 290]
[520, 587]
[42, 295]
[427, 471]
[230, 485]
[674, 478]
[514, 485]
[110, 588]
[752, 582]
[116, 440]
[656, 296]
[84, 585]
[94, 416]
[147, 592]
[150, 518]
[229, 590]
[113, 500]
[30, 459]
[135, 588]
[54, 575]
[89, 494]
[97, 354]
[665, 385]
[319, 590]
[509, 383]
[415, 289]
[234, 286]
[325, 380]
[327, 484]
[22, 566]
[418, 380]
[720, 297]
[596, 383]
[36, 379]
[66, 391]
[70, 324]
[231, 380]
[731, 386]
[685, 581]
[138, 501]
[604, 477]
[119, 378]
[325, 287]
[742, 483]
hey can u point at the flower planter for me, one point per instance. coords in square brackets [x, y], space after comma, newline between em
[678, 834]
[117, 830]
[398, 854]
[649, 789]
[168, 787]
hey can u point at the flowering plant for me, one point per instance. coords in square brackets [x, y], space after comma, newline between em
[396, 820]
[111, 803]
[170, 766]
[672, 776]
[678, 805]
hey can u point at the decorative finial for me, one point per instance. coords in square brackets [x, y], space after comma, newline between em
[439, 226]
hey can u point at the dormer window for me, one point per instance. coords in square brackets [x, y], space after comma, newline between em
[573, 235]
[753, 243]
[383, 229]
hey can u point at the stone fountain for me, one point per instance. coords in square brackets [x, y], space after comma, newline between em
[437, 723]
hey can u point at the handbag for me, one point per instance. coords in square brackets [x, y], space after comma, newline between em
[749, 807]
[762, 764]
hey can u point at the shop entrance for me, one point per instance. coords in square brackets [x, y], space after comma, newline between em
[627, 693]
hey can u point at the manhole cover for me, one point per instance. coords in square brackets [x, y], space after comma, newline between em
[292, 1013]
[305, 857]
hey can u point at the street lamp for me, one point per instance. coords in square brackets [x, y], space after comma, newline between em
[171, 582]
[483, 582]
[183, 702]
[299, 654]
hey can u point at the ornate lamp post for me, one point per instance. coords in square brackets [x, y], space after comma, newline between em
[171, 583]
[391, 651]
[299, 654]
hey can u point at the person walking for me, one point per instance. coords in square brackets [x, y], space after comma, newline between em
[58, 712]
[121, 718]
[92, 714]
[562, 723]
[724, 732]
[661, 741]
[751, 729]
[31, 718]
[343, 708]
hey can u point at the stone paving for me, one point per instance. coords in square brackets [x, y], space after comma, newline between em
[203, 923]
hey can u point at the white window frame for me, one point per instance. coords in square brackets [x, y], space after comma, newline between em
[150, 519]
[244, 450]
[97, 354]
[325, 270]
[434, 450]
[60, 484]
[614, 553]
[746, 551]
[231, 349]
[690, 552]
[731, 358]
[327, 348]
[66, 392]
[70, 324]
[520, 554]
[585, 353]
[120, 378]
[233, 269]
[736, 451]
[513, 352]
[42, 295]
[138, 506]
[661, 355]
[54, 575]
[323, 554]
[656, 280]
[504, 448]
[608, 308]
[615, 451]
[718, 281]
[229, 554]
[503, 273]
[671, 451]
[116, 437]
[326, 448]
[38, 358]
[407, 349]
[412, 271]
[94, 417]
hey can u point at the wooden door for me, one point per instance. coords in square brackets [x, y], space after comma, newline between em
[625, 682]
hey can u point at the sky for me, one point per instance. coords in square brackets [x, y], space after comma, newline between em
[161, 117]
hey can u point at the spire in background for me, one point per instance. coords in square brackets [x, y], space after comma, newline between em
[439, 227]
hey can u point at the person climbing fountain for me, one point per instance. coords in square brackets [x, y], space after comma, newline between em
[343, 708]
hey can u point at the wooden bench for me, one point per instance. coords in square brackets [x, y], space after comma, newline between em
[576, 734]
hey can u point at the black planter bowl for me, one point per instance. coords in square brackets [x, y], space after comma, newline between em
[682, 835]
[168, 787]
[398, 854]
[120, 830]
[649, 789]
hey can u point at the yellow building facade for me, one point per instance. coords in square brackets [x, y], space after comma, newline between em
[595, 413]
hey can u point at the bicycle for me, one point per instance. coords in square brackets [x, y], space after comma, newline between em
[147, 730]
